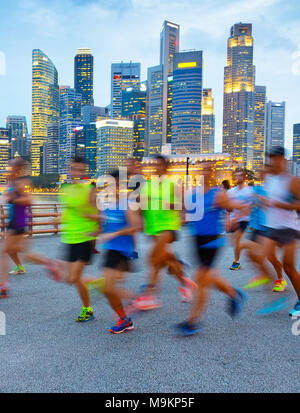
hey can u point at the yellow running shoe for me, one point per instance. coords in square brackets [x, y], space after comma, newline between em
[280, 285]
[257, 282]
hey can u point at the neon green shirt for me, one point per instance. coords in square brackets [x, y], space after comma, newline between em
[75, 227]
[155, 198]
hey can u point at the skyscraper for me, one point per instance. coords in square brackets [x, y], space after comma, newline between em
[154, 116]
[259, 143]
[169, 44]
[45, 104]
[51, 147]
[123, 76]
[84, 75]
[208, 123]
[17, 127]
[134, 108]
[296, 142]
[69, 120]
[275, 125]
[4, 153]
[187, 102]
[239, 80]
[115, 143]
[93, 113]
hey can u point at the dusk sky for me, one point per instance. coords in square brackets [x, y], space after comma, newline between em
[127, 30]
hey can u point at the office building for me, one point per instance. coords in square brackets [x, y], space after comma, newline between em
[259, 143]
[296, 143]
[17, 127]
[92, 114]
[208, 122]
[123, 76]
[4, 154]
[275, 124]
[50, 150]
[84, 75]
[154, 111]
[115, 144]
[187, 102]
[45, 104]
[69, 120]
[169, 44]
[239, 81]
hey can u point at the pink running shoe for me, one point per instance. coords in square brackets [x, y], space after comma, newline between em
[187, 291]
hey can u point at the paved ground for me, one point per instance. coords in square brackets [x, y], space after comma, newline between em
[46, 351]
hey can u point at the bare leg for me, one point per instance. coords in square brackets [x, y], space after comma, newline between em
[289, 258]
[75, 272]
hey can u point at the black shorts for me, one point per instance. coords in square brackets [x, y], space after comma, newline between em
[240, 226]
[283, 236]
[206, 256]
[79, 252]
[256, 234]
[117, 261]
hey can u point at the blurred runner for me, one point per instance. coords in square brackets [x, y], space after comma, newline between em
[207, 233]
[162, 221]
[239, 222]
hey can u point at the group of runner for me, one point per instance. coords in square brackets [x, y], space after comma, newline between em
[114, 218]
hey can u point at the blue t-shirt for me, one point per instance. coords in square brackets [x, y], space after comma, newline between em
[258, 215]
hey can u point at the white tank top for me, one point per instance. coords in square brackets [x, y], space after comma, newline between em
[277, 188]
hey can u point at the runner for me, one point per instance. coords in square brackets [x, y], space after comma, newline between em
[162, 221]
[239, 222]
[118, 228]
[78, 223]
[282, 202]
[18, 201]
[207, 233]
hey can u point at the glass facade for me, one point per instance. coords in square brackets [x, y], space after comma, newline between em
[45, 104]
[154, 116]
[239, 80]
[275, 125]
[70, 119]
[4, 153]
[115, 144]
[17, 127]
[296, 142]
[84, 75]
[91, 114]
[169, 44]
[50, 152]
[208, 122]
[187, 102]
[123, 76]
[259, 143]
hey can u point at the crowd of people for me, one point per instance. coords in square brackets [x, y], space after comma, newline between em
[259, 218]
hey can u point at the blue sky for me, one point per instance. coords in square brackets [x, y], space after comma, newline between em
[126, 30]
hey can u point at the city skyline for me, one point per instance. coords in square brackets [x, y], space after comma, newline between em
[275, 32]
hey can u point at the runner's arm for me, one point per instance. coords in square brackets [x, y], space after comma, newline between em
[295, 190]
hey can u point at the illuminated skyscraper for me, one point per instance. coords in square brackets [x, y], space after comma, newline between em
[187, 102]
[45, 104]
[208, 123]
[50, 151]
[4, 153]
[259, 143]
[155, 92]
[296, 143]
[169, 44]
[239, 80]
[93, 113]
[134, 108]
[123, 76]
[275, 125]
[84, 75]
[115, 144]
[17, 127]
[69, 120]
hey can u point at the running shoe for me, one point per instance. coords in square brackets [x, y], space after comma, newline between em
[85, 315]
[188, 290]
[295, 312]
[257, 282]
[236, 304]
[4, 291]
[280, 285]
[18, 270]
[147, 302]
[122, 325]
[274, 306]
[235, 266]
[186, 329]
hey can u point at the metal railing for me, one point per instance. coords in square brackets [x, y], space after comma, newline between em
[36, 214]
